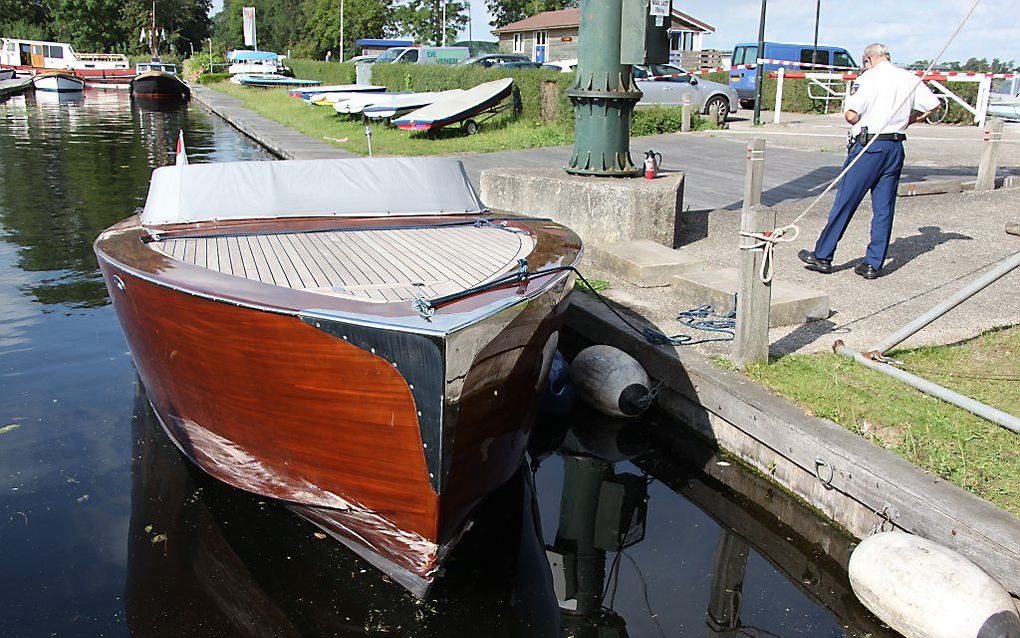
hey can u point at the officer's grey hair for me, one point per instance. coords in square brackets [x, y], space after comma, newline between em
[877, 50]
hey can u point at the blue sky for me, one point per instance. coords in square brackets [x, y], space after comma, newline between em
[913, 29]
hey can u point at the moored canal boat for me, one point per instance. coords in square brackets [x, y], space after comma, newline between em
[159, 81]
[360, 339]
[58, 82]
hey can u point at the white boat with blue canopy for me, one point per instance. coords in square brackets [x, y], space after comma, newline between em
[246, 61]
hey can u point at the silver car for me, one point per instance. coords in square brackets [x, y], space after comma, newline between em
[666, 84]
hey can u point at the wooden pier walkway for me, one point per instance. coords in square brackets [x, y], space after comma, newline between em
[14, 86]
[278, 139]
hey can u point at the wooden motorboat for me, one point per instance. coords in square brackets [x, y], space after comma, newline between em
[359, 338]
[159, 81]
[59, 82]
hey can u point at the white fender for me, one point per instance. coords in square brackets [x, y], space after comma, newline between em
[924, 590]
[611, 381]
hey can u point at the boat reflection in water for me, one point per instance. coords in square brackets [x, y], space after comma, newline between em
[646, 532]
[209, 560]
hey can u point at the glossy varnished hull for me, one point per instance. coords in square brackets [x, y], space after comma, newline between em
[317, 410]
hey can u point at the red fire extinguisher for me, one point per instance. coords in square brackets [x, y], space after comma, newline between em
[652, 162]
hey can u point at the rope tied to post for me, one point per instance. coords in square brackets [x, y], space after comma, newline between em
[766, 242]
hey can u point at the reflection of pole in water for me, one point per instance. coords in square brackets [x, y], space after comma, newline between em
[585, 564]
[727, 584]
[600, 512]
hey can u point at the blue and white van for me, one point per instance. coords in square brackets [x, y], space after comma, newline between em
[747, 53]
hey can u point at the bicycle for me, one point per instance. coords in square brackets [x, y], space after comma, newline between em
[939, 113]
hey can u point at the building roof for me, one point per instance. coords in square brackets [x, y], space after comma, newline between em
[694, 22]
[375, 42]
[544, 20]
[572, 18]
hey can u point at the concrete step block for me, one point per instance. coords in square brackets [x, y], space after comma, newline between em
[644, 263]
[791, 304]
[930, 187]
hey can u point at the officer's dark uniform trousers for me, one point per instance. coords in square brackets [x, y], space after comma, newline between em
[879, 172]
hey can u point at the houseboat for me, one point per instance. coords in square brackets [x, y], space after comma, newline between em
[39, 56]
[357, 338]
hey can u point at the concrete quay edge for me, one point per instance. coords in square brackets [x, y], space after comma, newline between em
[855, 483]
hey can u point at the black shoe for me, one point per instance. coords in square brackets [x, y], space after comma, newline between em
[867, 271]
[813, 263]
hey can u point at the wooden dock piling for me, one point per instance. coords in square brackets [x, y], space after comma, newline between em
[990, 156]
[751, 342]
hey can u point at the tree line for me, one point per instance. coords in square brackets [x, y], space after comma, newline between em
[972, 65]
[308, 28]
[107, 25]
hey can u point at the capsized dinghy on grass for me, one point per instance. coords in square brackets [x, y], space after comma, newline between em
[358, 338]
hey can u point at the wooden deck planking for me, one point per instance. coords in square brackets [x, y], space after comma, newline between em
[340, 259]
[224, 256]
[267, 274]
[279, 273]
[372, 271]
[391, 273]
[377, 264]
[272, 243]
[441, 258]
[436, 261]
[319, 271]
[234, 252]
[248, 259]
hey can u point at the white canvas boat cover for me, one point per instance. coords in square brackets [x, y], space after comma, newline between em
[371, 187]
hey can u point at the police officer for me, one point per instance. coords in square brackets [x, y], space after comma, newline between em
[883, 102]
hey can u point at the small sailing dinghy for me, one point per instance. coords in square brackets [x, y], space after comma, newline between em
[403, 104]
[358, 338]
[307, 94]
[457, 108]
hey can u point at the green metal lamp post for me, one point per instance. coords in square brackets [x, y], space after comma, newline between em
[603, 94]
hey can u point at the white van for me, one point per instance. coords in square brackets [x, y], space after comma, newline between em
[424, 55]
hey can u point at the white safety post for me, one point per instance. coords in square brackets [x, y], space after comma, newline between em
[754, 296]
[984, 91]
[990, 155]
[685, 114]
[779, 94]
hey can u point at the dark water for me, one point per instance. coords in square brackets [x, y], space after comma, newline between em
[106, 531]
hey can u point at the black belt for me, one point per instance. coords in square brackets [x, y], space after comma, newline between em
[884, 137]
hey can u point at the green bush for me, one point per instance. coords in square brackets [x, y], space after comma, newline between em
[653, 120]
[213, 78]
[327, 72]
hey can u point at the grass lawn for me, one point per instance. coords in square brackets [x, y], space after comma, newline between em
[981, 457]
[321, 122]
